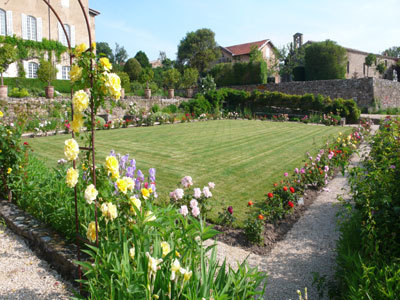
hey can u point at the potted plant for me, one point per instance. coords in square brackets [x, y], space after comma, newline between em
[189, 80]
[146, 76]
[171, 79]
[8, 55]
[47, 73]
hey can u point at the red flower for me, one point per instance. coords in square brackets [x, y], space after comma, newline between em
[270, 195]
[230, 210]
[291, 189]
[285, 188]
[275, 184]
[260, 217]
[290, 203]
[26, 144]
[250, 203]
[105, 125]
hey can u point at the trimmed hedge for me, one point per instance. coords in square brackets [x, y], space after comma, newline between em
[240, 73]
[62, 86]
[238, 100]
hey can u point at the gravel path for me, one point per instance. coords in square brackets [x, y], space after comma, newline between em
[23, 275]
[308, 247]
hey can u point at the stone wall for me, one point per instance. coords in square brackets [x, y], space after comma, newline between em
[363, 90]
[42, 107]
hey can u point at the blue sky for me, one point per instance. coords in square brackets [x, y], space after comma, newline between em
[159, 25]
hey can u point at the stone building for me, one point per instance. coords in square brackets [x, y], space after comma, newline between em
[356, 67]
[33, 20]
[241, 53]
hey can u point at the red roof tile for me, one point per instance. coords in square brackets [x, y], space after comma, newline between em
[244, 48]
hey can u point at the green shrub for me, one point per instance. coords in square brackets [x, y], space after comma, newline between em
[155, 108]
[18, 93]
[62, 86]
[172, 108]
[196, 106]
[133, 68]
[46, 72]
[125, 81]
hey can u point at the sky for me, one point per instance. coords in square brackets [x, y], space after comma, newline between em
[159, 25]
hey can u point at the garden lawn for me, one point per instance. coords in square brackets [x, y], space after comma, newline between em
[244, 158]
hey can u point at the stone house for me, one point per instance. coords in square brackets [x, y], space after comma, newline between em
[241, 53]
[33, 20]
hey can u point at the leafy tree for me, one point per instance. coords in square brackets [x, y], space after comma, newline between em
[166, 62]
[189, 78]
[325, 60]
[369, 60]
[171, 78]
[143, 60]
[255, 54]
[8, 55]
[120, 54]
[104, 50]
[125, 81]
[133, 69]
[392, 52]
[291, 62]
[198, 49]
[146, 76]
[46, 72]
[381, 68]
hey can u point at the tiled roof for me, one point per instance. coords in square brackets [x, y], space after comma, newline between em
[244, 48]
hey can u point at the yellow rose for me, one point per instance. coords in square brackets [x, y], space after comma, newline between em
[115, 175]
[9, 170]
[80, 49]
[71, 149]
[112, 163]
[80, 101]
[145, 193]
[132, 252]
[76, 73]
[91, 194]
[109, 211]
[166, 248]
[105, 63]
[135, 202]
[113, 85]
[72, 177]
[91, 231]
[122, 185]
[77, 122]
[130, 183]
[1, 114]
[93, 46]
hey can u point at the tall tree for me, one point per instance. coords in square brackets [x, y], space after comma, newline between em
[104, 50]
[143, 60]
[198, 49]
[325, 60]
[120, 54]
[392, 52]
[166, 62]
[133, 69]
[369, 60]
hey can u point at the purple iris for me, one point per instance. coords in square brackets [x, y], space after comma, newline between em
[116, 192]
[112, 153]
[133, 163]
[123, 161]
[140, 175]
[130, 172]
[152, 173]
[137, 184]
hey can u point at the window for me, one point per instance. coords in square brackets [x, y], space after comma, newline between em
[3, 22]
[364, 69]
[348, 67]
[65, 73]
[32, 70]
[63, 38]
[31, 28]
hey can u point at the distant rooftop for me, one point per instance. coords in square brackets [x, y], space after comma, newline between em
[242, 49]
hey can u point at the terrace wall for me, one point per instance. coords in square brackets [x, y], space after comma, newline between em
[365, 91]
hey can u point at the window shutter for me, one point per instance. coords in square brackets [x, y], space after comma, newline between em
[39, 30]
[59, 73]
[72, 36]
[9, 23]
[24, 27]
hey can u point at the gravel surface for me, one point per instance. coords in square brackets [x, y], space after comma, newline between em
[308, 247]
[23, 275]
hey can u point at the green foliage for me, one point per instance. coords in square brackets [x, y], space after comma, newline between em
[18, 93]
[8, 55]
[370, 59]
[142, 58]
[291, 63]
[146, 76]
[104, 50]
[207, 84]
[381, 68]
[325, 60]
[21, 69]
[299, 73]
[254, 230]
[392, 52]
[62, 86]
[255, 54]
[240, 73]
[155, 108]
[125, 81]
[120, 55]
[46, 72]
[198, 49]
[172, 78]
[172, 108]
[133, 69]
[189, 78]
[196, 106]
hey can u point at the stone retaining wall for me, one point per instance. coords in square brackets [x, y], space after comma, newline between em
[367, 92]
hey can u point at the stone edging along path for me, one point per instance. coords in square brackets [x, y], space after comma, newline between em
[308, 247]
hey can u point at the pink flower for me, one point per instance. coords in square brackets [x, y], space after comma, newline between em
[177, 194]
[197, 193]
[184, 210]
[187, 181]
[206, 192]
[211, 185]
[193, 203]
[286, 174]
[195, 211]
[302, 171]
[326, 169]
[331, 154]
[296, 171]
